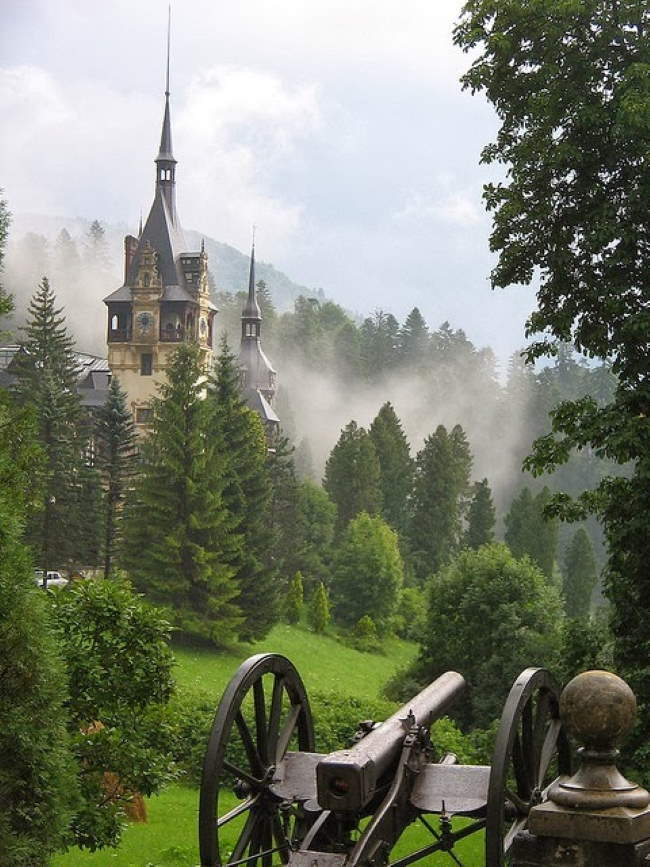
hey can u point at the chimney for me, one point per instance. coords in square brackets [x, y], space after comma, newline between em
[130, 246]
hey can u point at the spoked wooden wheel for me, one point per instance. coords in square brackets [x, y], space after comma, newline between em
[531, 750]
[263, 711]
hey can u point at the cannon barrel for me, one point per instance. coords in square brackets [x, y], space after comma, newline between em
[347, 779]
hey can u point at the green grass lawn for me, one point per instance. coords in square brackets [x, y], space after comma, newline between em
[322, 662]
[169, 838]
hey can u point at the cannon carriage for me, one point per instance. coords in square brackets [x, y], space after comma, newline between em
[292, 805]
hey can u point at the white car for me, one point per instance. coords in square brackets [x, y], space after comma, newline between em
[50, 579]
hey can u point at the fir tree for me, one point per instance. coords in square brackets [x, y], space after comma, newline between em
[303, 460]
[481, 517]
[46, 378]
[413, 339]
[37, 777]
[116, 458]
[529, 532]
[352, 475]
[267, 307]
[379, 344]
[66, 260]
[96, 248]
[580, 574]
[283, 517]
[247, 496]
[294, 602]
[442, 470]
[180, 536]
[309, 538]
[6, 303]
[318, 612]
[395, 465]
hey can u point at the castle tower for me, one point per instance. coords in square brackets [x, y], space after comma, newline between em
[258, 377]
[165, 298]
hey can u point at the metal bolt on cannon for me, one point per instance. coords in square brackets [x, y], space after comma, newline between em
[268, 798]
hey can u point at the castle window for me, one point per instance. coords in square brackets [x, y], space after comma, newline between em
[146, 364]
[114, 322]
[162, 174]
[143, 415]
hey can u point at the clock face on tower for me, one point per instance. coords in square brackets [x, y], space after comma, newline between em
[145, 322]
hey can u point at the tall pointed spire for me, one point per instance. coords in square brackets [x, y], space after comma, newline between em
[251, 311]
[165, 162]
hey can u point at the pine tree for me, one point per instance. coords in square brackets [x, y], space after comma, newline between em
[303, 460]
[481, 517]
[96, 254]
[179, 535]
[247, 496]
[442, 470]
[352, 475]
[269, 313]
[580, 573]
[116, 460]
[413, 339]
[37, 777]
[66, 260]
[295, 600]
[318, 612]
[529, 532]
[379, 344]
[395, 465]
[283, 512]
[46, 378]
[6, 303]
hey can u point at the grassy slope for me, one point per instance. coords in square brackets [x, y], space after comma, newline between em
[169, 839]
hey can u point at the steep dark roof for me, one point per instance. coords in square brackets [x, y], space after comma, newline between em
[256, 401]
[93, 375]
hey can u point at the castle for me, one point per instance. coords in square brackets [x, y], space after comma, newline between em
[165, 300]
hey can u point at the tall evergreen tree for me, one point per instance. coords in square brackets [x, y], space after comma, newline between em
[6, 304]
[66, 261]
[247, 496]
[481, 517]
[318, 612]
[179, 533]
[96, 253]
[352, 475]
[442, 470]
[529, 532]
[413, 339]
[395, 465]
[379, 344]
[37, 784]
[116, 460]
[308, 539]
[46, 378]
[580, 573]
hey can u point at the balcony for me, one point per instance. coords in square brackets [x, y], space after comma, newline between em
[119, 335]
[172, 335]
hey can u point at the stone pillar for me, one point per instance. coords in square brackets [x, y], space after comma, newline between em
[596, 818]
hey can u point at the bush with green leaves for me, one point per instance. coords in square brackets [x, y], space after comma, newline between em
[116, 650]
[364, 635]
[409, 620]
[489, 617]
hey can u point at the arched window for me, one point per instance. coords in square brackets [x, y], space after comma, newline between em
[114, 321]
[162, 174]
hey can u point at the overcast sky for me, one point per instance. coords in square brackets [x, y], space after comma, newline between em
[337, 126]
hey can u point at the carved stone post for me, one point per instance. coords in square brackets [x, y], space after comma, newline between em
[596, 818]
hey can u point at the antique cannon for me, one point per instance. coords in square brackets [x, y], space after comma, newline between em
[288, 804]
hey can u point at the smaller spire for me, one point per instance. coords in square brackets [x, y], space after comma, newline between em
[169, 30]
[166, 152]
[140, 226]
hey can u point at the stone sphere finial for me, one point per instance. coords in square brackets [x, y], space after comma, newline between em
[598, 708]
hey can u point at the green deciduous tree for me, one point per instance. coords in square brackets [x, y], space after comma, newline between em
[119, 664]
[247, 496]
[442, 470]
[476, 605]
[395, 466]
[530, 532]
[367, 572]
[480, 517]
[179, 532]
[318, 613]
[116, 460]
[580, 573]
[312, 534]
[569, 82]
[352, 475]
